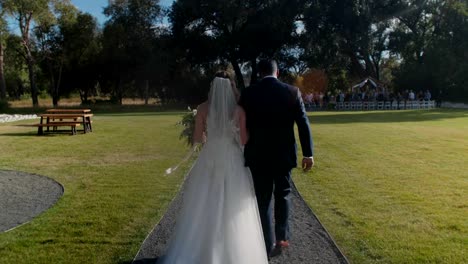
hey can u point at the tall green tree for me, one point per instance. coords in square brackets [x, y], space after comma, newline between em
[128, 43]
[353, 33]
[432, 39]
[234, 31]
[26, 12]
[49, 37]
[68, 50]
[3, 35]
[16, 74]
[81, 49]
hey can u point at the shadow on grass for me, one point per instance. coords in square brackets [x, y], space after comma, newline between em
[143, 113]
[106, 109]
[18, 135]
[140, 261]
[34, 134]
[387, 116]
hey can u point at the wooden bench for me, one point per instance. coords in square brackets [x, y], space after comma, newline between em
[72, 125]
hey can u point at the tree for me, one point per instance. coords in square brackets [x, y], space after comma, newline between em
[68, 53]
[432, 38]
[234, 31]
[26, 12]
[81, 47]
[52, 45]
[128, 43]
[313, 81]
[3, 35]
[350, 33]
[16, 74]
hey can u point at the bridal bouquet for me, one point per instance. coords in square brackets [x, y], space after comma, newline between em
[188, 122]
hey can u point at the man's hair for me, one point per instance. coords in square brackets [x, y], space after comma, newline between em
[267, 67]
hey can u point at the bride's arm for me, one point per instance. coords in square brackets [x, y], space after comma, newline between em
[199, 135]
[241, 121]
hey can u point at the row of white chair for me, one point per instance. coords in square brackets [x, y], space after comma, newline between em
[394, 105]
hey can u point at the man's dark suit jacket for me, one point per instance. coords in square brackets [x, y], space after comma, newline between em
[272, 108]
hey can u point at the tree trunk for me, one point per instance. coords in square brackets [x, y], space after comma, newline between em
[146, 92]
[57, 87]
[2, 75]
[85, 96]
[32, 81]
[357, 66]
[25, 23]
[52, 84]
[377, 71]
[376, 64]
[240, 78]
[120, 91]
[370, 67]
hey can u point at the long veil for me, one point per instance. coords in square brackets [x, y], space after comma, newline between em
[219, 221]
[222, 103]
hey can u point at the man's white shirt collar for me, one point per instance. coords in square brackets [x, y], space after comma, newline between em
[270, 76]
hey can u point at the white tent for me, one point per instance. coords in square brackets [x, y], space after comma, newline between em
[364, 82]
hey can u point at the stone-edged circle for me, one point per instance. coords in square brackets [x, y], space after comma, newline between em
[23, 196]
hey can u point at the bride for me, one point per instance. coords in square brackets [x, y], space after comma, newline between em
[219, 221]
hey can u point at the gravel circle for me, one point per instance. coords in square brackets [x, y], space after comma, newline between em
[23, 196]
[4, 118]
[310, 242]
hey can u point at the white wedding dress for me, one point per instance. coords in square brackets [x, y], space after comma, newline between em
[219, 221]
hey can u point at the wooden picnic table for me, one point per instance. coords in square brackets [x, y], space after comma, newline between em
[65, 117]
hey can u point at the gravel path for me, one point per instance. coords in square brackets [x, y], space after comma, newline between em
[11, 118]
[310, 242]
[24, 196]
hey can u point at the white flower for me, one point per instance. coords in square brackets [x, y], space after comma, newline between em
[190, 109]
[194, 112]
[169, 171]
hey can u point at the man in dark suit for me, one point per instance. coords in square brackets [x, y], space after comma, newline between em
[272, 108]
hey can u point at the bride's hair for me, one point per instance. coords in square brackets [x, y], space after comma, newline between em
[226, 75]
[223, 74]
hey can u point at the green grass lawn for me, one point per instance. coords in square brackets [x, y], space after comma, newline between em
[391, 187]
[115, 187]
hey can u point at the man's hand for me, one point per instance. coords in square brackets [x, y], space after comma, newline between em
[307, 163]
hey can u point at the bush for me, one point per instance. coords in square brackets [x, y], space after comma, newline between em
[91, 102]
[25, 96]
[43, 95]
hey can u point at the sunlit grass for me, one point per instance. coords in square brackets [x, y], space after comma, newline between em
[115, 187]
[391, 187]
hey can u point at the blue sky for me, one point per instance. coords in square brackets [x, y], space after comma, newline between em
[95, 7]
